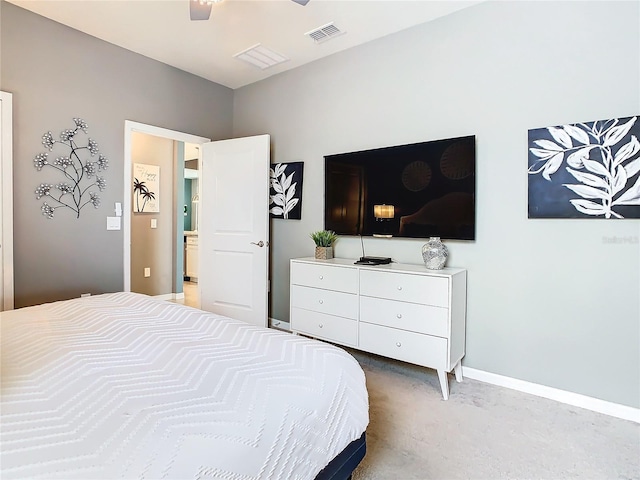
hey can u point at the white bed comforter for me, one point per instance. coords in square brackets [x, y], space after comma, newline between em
[126, 386]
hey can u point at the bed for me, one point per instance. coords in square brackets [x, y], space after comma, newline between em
[124, 386]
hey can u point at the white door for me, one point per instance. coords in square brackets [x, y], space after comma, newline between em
[233, 228]
[6, 206]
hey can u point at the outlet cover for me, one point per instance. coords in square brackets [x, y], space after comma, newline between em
[113, 223]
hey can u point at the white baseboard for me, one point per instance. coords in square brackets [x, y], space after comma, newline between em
[170, 296]
[570, 398]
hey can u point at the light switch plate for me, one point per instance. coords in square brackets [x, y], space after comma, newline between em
[154, 223]
[147, 271]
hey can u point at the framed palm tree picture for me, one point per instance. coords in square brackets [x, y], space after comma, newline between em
[146, 182]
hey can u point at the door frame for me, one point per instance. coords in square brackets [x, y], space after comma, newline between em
[6, 177]
[129, 128]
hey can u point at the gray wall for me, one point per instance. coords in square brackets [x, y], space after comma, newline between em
[549, 301]
[56, 73]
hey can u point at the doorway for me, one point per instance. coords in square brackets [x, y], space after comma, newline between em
[146, 219]
[233, 221]
[189, 263]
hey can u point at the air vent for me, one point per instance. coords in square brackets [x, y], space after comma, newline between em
[324, 33]
[261, 57]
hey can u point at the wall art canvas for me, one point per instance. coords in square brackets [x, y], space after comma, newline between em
[146, 183]
[585, 170]
[285, 193]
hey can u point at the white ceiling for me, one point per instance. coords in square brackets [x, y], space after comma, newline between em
[162, 30]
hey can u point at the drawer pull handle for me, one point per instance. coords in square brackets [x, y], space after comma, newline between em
[321, 302]
[321, 277]
[398, 344]
[320, 325]
[399, 315]
[399, 288]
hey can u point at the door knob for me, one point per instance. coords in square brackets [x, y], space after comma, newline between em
[260, 243]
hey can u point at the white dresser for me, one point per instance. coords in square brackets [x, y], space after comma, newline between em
[398, 310]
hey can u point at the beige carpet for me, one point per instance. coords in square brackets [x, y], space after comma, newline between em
[484, 432]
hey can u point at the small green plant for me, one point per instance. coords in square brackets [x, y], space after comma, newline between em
[324, 238]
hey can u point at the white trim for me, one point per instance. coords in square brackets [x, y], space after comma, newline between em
[129, 128]
[169, 296]
[562, 396]
[6, 176]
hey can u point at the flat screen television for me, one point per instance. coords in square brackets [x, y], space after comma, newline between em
[418, 190]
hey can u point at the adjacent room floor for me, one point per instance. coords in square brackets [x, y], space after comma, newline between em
[190, 299]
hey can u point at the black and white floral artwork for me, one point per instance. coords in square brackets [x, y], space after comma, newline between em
[285, 193]
[585, 170]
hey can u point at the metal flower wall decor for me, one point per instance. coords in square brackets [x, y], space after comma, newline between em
[601, 174]
[77, 167]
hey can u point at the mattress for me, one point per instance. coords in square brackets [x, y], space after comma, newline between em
[127, 386]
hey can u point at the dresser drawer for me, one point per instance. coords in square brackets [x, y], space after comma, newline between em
[325, 301]
[405, 287]
[328, 327]
[330, 277]
[406, 316]
[409, 347]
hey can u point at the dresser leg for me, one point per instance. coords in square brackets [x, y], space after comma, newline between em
[458, 371]
[444, 384]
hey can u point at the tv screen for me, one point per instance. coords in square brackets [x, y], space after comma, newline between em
[418, 190]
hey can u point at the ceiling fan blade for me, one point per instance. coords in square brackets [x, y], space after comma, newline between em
[199, 11]
[301, 2]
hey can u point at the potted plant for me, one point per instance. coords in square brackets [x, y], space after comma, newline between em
[324, 240]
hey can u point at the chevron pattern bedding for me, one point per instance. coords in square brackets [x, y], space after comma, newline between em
[123, 385]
